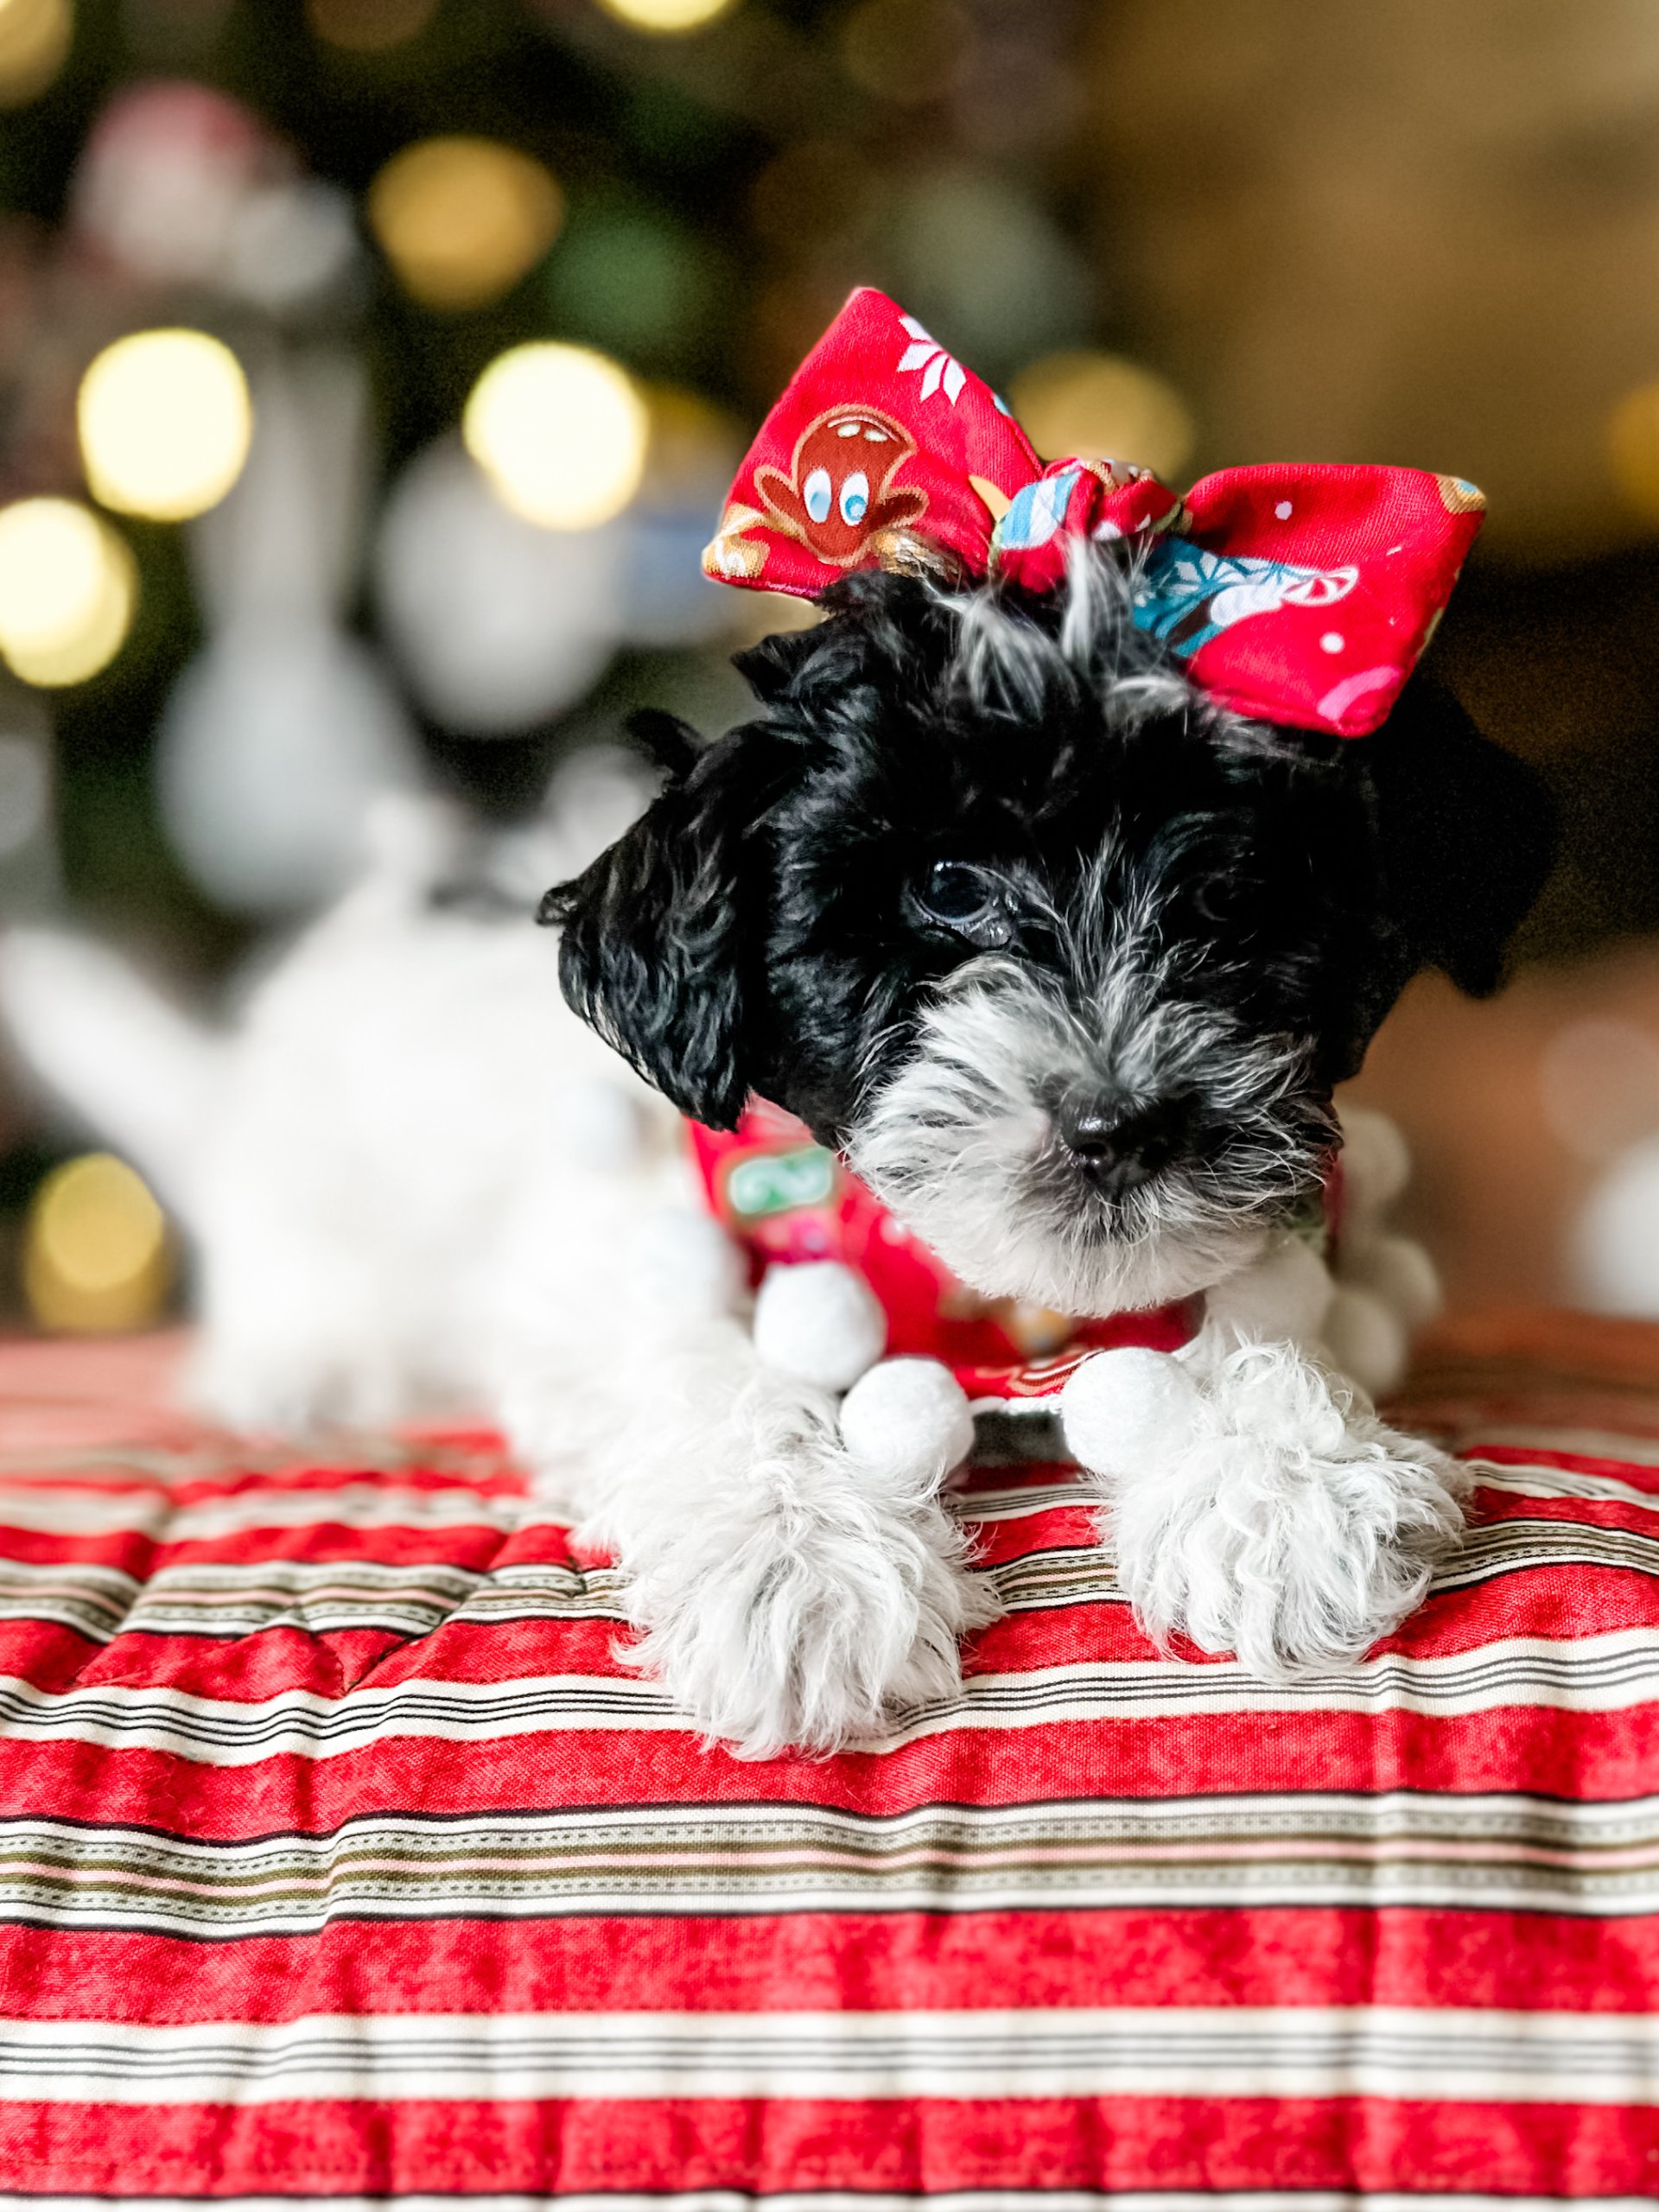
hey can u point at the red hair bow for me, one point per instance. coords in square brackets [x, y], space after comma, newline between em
[1297, 595]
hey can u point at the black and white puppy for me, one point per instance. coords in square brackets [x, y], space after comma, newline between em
[1066, 961]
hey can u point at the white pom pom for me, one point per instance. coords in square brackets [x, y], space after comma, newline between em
[819, 1322]
[1375, 1164]
[1124, 1411]
[1282, 1298]
[1366, 1341]
[908, 1417]
[682, 1262]
[1398, 1271]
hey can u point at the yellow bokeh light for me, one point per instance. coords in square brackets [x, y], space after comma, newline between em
[561, 432]
[35, 39]
[369, 26]
[667, 14]
[165, 423]
[95, 1248]
[68, 587]
[1633, 448]
[462, 219]
[1101, 407]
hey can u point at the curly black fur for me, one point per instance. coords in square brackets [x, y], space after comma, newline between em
[764, 926]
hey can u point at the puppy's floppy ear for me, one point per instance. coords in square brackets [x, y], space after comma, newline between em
[772, 666]
[672, 744]
[1468, 835]
[655, 954]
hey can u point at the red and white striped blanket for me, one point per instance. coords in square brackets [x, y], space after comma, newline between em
[341, 1856]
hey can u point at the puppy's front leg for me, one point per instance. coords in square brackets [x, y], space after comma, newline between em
[1256, 1502]
[790, 1590]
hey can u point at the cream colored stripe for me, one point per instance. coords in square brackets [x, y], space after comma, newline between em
[72, 1509]
[1612, 1673]
[1386, 2052]
[1307, 1848]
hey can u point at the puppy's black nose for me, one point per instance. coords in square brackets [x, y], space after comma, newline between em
[1117, 1145]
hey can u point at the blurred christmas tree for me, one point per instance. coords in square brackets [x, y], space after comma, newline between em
[252, 576]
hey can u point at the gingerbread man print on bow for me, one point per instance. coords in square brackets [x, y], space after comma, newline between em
[838, 497]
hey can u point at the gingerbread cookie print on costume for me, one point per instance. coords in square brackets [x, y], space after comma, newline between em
[836, 498]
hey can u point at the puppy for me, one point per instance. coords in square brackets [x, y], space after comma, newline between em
[1064, 960]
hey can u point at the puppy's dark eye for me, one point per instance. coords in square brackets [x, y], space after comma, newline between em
[1214, 898]
[966, 901]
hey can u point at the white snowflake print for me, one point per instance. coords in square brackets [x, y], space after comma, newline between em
[938, 368]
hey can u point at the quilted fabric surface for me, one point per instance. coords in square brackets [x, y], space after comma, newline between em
[341, 1853]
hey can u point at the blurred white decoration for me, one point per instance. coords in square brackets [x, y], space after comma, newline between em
[288, 244]
[1598, 1083]
[25, 787]
[561, 432]
[497, 624]
[290, 538]
[284, 731]
[67, 589]
[276, 741]
[179, 185]
[165, 423]
[1613, 1250]
[163, 177]
[30, 875]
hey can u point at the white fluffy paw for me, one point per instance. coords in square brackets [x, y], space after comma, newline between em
[820, 1597]
[294, 1389]
[1294, 1529]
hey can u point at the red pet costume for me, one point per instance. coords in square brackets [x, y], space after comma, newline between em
[1300, 595]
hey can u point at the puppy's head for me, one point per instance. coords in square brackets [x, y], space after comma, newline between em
[1065, 959]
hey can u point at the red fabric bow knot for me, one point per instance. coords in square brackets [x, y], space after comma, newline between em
[1295, 593]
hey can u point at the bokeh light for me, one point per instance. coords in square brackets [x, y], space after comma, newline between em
[67, 589]
[631, 279]
[1633, 448]
[95, 1248]
[561, 432]
[1101, 407]
[35, 39]
[667, 15]
[982, 263]
[369, 26]
[165, 423]
[908, 51]
[1598, 1085]
[462, 219]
